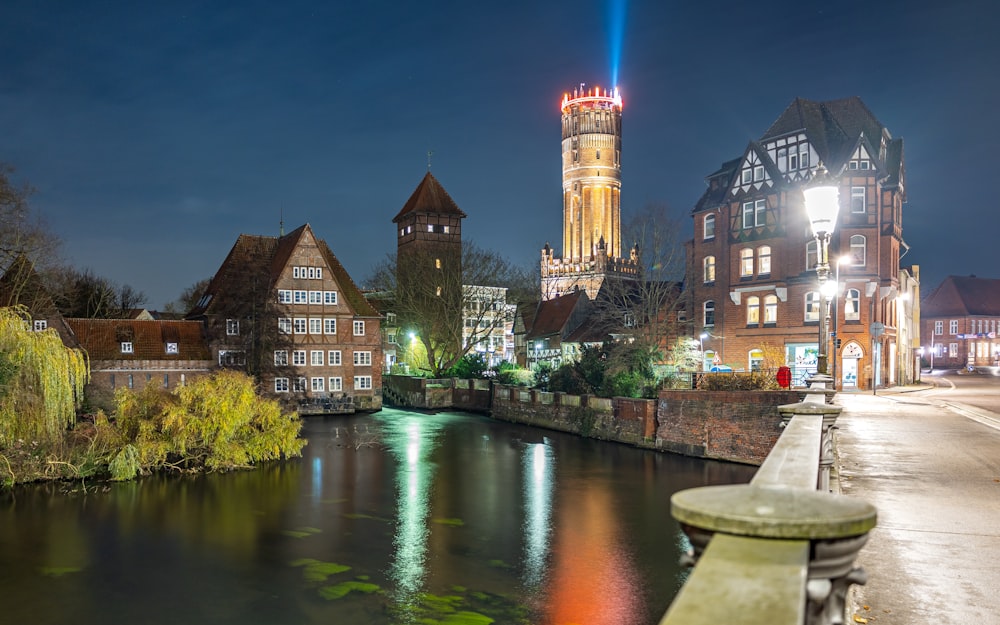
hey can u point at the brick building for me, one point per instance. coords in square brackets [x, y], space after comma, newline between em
[960, 323]
[285, 310]
[753, 287]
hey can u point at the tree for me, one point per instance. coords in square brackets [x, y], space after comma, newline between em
[449, 324]
[186, 301]
[21, 233]
[86, 295]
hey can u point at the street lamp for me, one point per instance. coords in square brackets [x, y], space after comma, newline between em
[838, 289]
[822, 203]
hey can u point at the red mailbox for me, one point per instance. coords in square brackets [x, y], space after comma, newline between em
[784, 376]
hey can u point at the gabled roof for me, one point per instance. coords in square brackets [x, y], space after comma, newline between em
[429, 197]
[554, 316]
[961, 296]
[102, 338]
[257, 257]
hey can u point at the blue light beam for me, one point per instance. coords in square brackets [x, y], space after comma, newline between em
[616, 35]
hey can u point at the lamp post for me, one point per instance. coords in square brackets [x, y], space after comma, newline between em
[836, 307]
[822, 203]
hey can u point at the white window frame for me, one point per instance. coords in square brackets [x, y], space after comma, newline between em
[708, 267]
[232, 327]
[40, 325]
[315, 325]
[280, 385]
[316, 297]
[333, 358]
[300, 325]
[329, 325]
[281, 358]
[296, 272]
[811, 311]
[284, 296]
[764, 260]
[284, 325]
[708, 227]
[336, 384]
[318, 385]
[771, 310]
[953, 327]
[859, 250]
[858, 200]
[953, 350]
[329, 298]
[812, 255]
[753, 310]
[362, 382]
[316, 358]
[746, 262]
[708, 314]
[298, 358]
[359, 328]
[362, 359]
[939, 328]
[300, 296]
[852, 305]
[127, 348]
[299, 385]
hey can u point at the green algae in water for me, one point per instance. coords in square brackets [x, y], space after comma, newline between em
[451, 522]
[467, 618]
[301, 532]
[344, 588]
[358, 515]
[445, 604]
[317, 570]
[58, 571]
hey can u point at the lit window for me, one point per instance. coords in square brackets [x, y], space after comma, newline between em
[316, 358]
[362, 359]
[281, 358]
[318, 385]
[746, 262]
[953, 350]
[437, 263]
[953, 326]
[709, 227]
[333, 357]
[753, 310]
[858, 250]
[359, 328]
[764, 260]
[336, 384]
[127, 347]
[771, 310]
[362, 382]
[858, 200]
[939, 327]
[812, 257]
[299, 358]
[232, 327]
[852, 305]
[709, 267]
[709, 313]
[280, 385]
[812, 306]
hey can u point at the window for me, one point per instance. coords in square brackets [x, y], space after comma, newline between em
[758, 173]
[812, 256]
[362, 382]
[299, 358]
[754, 213]
[232, 327]
[127, 347]
[280, 385]
[299, 385]
[300, 297]
[852, 305]
[709, 268]
[329, 326]
[40, 325]
[391, 338]
[746, 176]
[316, 358]
[858, 250]
[330, 298]
[764, 260]
[753, 310]
[939, 327]
[299, 325]
[437, 263]
[362, 359]
[315, 325]
[953, 326]
[284, 325]
[296, 272]
[438, 293]
[318, 385]
[709, 228]
[336, 384]
[131, 381]
[281, 358]
[333, 357]
[953, 350]
[284, 297]
[858, 200]
[708, 310]
[359, 328]
[771, 310]
[315, 297]
[812, 306]
[166, 380]
[232, 357]
[746, 262]
[172, 348]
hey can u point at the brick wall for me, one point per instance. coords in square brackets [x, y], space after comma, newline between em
[739, 426]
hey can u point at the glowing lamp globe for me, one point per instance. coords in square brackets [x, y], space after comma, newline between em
[822, 200]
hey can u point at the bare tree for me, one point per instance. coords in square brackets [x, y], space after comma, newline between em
[450, 309]
[21, 233]
[188, 298]
[84, 294]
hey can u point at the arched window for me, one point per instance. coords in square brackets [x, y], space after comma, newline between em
[753, 310]
[746, 262]
[764, 260]
[812, 306]
[709, 313]
[709, 267]
[771, 310]
[858, 250]
[709, 227]
[852, 305]
[812, 257]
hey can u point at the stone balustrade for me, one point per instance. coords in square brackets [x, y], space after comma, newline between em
[782, 548]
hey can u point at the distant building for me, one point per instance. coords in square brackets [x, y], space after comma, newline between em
[752, 282]
[488, 323]
[591, 181]
[285, 310]
[960, 323]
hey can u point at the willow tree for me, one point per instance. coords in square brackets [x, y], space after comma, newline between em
[41, 381]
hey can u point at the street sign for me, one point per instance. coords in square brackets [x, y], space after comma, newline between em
[877, 329]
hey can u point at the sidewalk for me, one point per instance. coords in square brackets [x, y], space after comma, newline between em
[933, 473]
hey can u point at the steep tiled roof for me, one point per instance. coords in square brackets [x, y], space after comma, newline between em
[102, 338]
[348, 289]
[553, 316]
[429, 197]
[961, 296]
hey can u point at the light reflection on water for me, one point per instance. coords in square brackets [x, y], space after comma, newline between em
[451, 505]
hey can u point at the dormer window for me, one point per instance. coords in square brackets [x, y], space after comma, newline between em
[127, 347]
[172, 348]
[232, 327]
[40, 325]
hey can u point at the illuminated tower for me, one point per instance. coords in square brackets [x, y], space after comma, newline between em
[592, 181]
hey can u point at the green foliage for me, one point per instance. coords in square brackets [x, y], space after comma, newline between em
[543, 374]
[612, 370]
[469, 367]
[585, 418]
[751, 381]
[510, 374]
[41, 381]
[218, 422]
[566, 379]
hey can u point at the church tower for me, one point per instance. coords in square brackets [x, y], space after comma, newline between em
[592, 181]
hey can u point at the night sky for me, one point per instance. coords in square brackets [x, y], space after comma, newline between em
[156, 132]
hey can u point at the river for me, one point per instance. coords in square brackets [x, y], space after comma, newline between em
[395, 517]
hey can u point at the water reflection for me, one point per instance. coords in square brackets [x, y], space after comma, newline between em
[539, 475]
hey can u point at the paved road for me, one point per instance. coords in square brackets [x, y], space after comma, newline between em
[934, 476]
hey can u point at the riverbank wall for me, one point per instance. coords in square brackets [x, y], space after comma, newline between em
[735, 426]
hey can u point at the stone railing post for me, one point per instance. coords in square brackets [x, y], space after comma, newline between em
[829, 414]
[836, 528]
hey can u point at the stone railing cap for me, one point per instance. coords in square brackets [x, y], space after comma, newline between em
[809, 408]
[772, 512]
